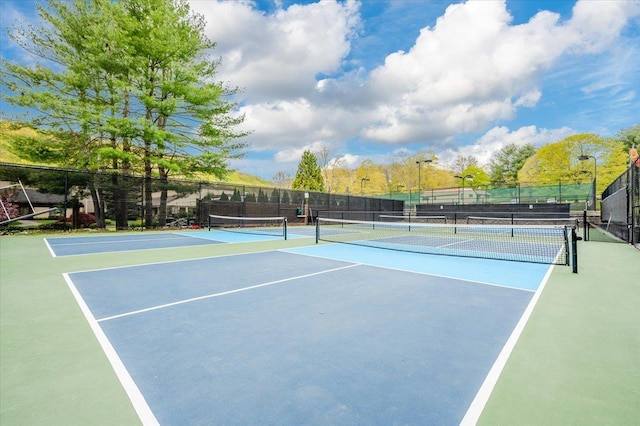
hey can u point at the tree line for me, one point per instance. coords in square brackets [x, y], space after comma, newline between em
[578, 158]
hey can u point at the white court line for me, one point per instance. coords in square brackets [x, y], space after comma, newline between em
[53, 254]
[482, 397]
[209, 296]
[119, 241]
[164, 262]
[137, 399]
[457, 242]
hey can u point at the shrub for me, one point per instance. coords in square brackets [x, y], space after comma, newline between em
[85, 220]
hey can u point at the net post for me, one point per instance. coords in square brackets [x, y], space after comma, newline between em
[585, 226]
[317, 230]
[574, 250]
[209, 222]
[284, 225]
[512, 221]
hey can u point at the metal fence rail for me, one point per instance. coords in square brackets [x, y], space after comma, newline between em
[621, 206]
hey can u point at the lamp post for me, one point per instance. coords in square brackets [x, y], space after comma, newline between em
[362, 181]
[463, 179]
[595, 176]
[419, 163]
[587, 172]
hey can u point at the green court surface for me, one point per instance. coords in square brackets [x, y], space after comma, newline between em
[576, 362]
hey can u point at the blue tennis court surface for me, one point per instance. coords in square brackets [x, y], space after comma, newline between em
[313, 335]
[69, 246]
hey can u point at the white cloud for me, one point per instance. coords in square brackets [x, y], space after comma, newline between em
[347, 161]
[295, 154]
[498, 137]
[278, 56]
[471, 69]
[596, 24]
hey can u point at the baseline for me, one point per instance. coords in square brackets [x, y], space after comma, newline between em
[73, 246]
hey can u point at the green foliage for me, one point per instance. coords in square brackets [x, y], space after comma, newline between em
[116, 84]
[309, 175]
[504, 167]
[262, 196]
[630, 137]
[560, 161]
[480, 177]
[275, 196]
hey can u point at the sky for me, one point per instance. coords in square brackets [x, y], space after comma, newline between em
[376, 80]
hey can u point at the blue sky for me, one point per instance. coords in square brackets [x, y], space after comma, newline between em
[382, 79]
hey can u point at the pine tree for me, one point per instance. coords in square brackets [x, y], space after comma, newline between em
[309, 175]
[126, 86]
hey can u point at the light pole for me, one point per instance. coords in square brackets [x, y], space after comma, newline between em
[595, 175]
[419, 163]
[587, 172]
[463, 179]
[362, 181]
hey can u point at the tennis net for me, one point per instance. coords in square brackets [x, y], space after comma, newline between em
[524, 243]
[554, 221]
[412, 218]
[272, 226]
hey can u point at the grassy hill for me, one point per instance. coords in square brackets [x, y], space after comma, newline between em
[8, 134]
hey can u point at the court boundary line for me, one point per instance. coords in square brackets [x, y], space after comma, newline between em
[225, 293]
[136, 265]
[415, 272]
[479, 402]
[46, 242]
[134, 250]
[136, 397]
[123, 240]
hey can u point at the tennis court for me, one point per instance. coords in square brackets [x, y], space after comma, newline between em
[298, 338]
[273, 331]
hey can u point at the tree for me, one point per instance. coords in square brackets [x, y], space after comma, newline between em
[560, 161]
[127, 87]
[282, 179]
[504, 167]
[308, 175]
[630, 138]
[370, 178]
[275, 196]
[461, 163]
[480, 177]
[9, 209]
[331, 169]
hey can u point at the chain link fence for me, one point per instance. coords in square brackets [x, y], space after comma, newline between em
[621, 207]
[100, 199]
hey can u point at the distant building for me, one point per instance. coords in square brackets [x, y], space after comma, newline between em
[457, 195]
[41, 202]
